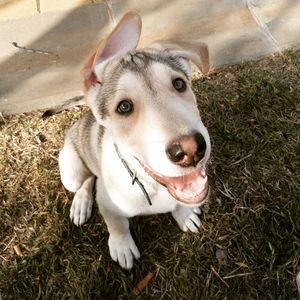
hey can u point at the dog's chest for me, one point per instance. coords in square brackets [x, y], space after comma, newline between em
[161, 202]
[130, 198]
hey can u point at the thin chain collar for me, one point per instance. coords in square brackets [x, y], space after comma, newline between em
[133, 175]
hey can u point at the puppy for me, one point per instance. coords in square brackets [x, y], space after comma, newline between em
[142, 143]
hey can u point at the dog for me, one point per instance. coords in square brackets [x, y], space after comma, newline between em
[142, 144]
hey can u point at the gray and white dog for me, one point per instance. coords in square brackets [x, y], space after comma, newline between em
[143, 140]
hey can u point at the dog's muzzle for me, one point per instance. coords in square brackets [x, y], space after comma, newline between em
[186, 151]
[190, 189]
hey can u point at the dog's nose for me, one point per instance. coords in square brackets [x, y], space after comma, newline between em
[187, 150]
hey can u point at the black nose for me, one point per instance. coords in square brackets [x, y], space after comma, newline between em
[187, 150]
[201, 145]
[175, 153]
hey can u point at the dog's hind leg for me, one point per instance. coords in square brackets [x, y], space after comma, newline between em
[73, 171]
[81, 208]
[77, 178]
[187, 218]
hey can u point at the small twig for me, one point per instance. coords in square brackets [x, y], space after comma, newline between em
[3, 258]
[30, 50]
[238, 275]
[217, 274]
[208, 279]
[9, 243]
[240, 160]
[298, 282]
[54, 157]
[18, 250]
[142, 284]
[227, 194]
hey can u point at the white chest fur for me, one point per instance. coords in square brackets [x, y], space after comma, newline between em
[131, 201]
[116, 184]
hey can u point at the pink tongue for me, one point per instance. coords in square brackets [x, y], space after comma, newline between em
[191, 188]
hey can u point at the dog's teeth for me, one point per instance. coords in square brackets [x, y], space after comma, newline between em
[199, 183]
[193, 192]
[202, 181]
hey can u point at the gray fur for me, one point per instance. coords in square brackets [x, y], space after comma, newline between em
[137, 62]
[80, 136]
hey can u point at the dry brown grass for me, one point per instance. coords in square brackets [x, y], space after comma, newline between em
[249, 245]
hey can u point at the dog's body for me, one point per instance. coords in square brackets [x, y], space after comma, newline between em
[143, 139]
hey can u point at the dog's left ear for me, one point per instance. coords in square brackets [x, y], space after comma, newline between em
[196, 52]
[122, 39]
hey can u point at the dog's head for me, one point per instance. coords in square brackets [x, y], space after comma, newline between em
[145, 100]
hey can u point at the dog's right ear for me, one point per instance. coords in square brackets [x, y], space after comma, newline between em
[196, 52]
[122, 39]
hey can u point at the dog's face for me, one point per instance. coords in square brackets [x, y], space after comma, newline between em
[146, 102]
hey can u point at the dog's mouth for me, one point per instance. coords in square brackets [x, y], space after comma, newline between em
[190, 189]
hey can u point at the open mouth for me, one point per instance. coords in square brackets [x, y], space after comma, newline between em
[191, 188]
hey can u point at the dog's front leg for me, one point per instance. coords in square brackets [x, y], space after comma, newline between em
[122, 247]
[187, 218]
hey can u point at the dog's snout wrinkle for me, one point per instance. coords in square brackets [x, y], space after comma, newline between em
[187, 150]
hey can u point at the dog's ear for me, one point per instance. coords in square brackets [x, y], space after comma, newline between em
[122, 39]
[196, 52]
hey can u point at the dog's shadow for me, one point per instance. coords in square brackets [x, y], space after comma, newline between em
[80, 256]
[156, 236]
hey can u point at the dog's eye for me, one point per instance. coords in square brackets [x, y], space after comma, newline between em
[125, 107]
[179, 85]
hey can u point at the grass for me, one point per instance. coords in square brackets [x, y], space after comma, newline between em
[252, 220]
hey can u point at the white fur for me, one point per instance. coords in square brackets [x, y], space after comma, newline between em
[72, 170]
[81, 208]
[128, 198]
[187, 218]
[123, 249]
[163, 114]
[115, 192]
[158, 127]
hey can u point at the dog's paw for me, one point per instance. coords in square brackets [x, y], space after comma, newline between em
[123, 250]
[81, 208]
[187, 218]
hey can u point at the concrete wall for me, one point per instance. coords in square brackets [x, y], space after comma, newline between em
[43, 43]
